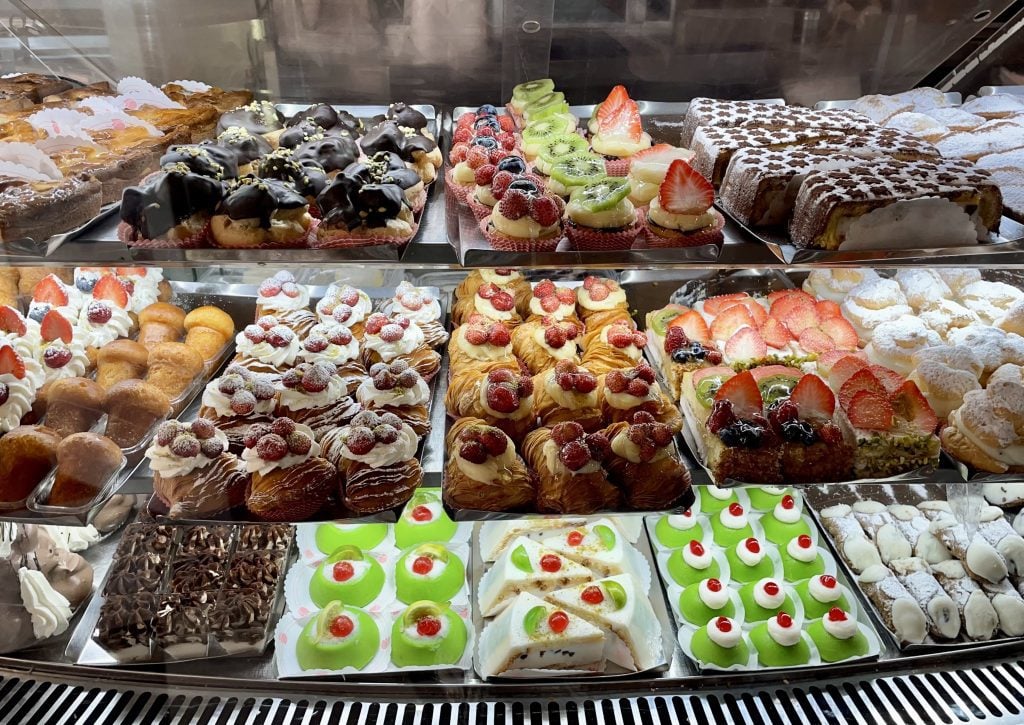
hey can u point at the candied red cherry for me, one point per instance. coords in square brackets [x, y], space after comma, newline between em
[374, 323]
[230, 383]
[341, 314]
[422, 513]
[554, 337]
[501, 375]
[835, 614]
[408, 379]
[315, 343]
[599, 291]
[574, 538]
[487, 290]
[342, 626]
[565, 366]
[269, 288]
[494, 441]
[752, 545]
[723, 624]
[499, 336]
[339, 335]
[585, 383]
[262, 389]
[284, 427]
[785, 621]
[574, 455]
[211, 447]
[203, 429]
[558, 621]
[254, 334]
[185, 446]
[56, 357]
[544, 288]
[566, 381]
[166, 433]
[551, 563]
[280, 336]
[525, 387]
[243, 402]
[503, 302]
[428, 627]
[828, 581]
[391, 333]
[616, 381]
[714, 585]
[423, 565]
[391, 419]
[592, 595]
[771, 588]
[267, 322]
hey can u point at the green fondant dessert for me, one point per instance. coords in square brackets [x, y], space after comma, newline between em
[692, 564]
[819, 594]
[748, 561]
[801, 559]
[700, 603]
[424, 520]
[676, 531]
[428, 572]
[784, 522]
[780, 643]
[338, 637]
[329, 537]
[765, 598]
[765, 498]
[713, 499]
[837, 636]
[731, 526]
[720, 643]
[427, 633]
[349, 575]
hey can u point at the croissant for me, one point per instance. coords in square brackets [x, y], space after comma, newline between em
[651, 485]
[541, 349]
[467, 396]
[561, 490]
[580, 403]
[516, 284]
[510, 488]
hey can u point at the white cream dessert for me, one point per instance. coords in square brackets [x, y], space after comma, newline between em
[600, 547]
[526, 566]
[495, 536]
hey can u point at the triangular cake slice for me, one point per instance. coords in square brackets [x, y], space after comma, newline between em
[532, 634]
[495, 536]
[618, 605]
[526, 566]
[601, 547]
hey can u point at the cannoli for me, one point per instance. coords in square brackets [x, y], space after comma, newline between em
[980, 558]
[1004, 494]
[996, 530]
[1018, 523]
[935, 510]
[875, 519]
[851, 542]
[914, 526]
[1009, 605]
[977, 615]
[939, 608]
[898, 610]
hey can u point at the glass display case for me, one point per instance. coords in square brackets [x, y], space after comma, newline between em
[511, 362]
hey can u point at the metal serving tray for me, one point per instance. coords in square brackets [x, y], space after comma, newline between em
[46, 247]
[953, 98]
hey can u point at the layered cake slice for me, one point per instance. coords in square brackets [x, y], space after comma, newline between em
[532, 634]
[710, 112]
[882, 142]
[618, 605]
[526, 566]
[600, 547]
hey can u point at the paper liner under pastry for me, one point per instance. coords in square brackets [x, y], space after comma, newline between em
[196, 241]
[561, 492]
[454, 189]
[321, 238]
[939, 608]
[616, 167]
[301, 241]
[586, 239]
[505, 243]
[851, 542]
[462, 400]
[651, 486]
[672, 239]
[513, 490]
[551, 413]
[479, 209]
[898, 610]
[977, 616]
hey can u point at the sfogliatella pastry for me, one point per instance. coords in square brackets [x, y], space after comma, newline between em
[618, 345]
[541, 342]
[502, 398]
[332, 342]
[568, 392]
[173, 367]
[376, 457]
[121, 360]
[281, 294]
[482, 345]
[133, 408]
[394, 338]
[171, 209]
[632, 390]
[314, 395]
[492, 302]
[267, 347]
[290, 481]
[238, 400]
[510, 280]
[161, 322]
[399, 389]
[345, 305]
[194, 474]
[74, 405]
[85, 464]
[556, 303]
[566, 463]
[27, 455]
[599, 301]
[420, 306]
[483, 471]
[644, 463]
[261, 214]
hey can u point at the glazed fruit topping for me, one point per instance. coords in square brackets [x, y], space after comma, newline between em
[735, 509]
[574, 538]
[784, 620]
[544, 288]
[577, 449]
[56, 356]
[376, 322]
[592, 595]
[506, 390]
[568, 376]
[696, 548]
[714, 585]
[315, 343]
[280, 336]
[423, 565]
[564, 433]
[558, 621]
[421, 513]
[337, 334]
[428, 627]
[550, 563]
[185, 445]
[788, 502]
[11, 363]
[828, 581]
[310, 377]
[723, 624]
[483, 175]
[203, 429]
[684, 190]
[360, 441]
[524, 198]
[753, 545]
[804, 541]
[503, 301]
[343, 571]
[648, 437]
[835, 614]
[342, 626]
[98, 312]
[55, 327]
[771, 588]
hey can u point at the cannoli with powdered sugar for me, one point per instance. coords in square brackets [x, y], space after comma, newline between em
[899, 611]
[851, 542]
[977, 614]
[939, 608]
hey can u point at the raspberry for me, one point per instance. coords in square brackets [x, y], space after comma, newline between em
[585, 383]
[554, 337]
[550, 303]
[638, 388]
[494, 441]
[458, 153]
[500, 183]
[342, 313]
[391, 333]
[462, 135]
[675, 338]
[566, 381]
[503, 302]
[409, 379]
[514, 204]
[230, 383]
[496, 154]
[507, 123]
[599, 446]
[203, 429]
[501, 375]
[185, 446]
[575, 455]
[315, 343]
[544, 289]
[525, 387]
[315, 381]
[620, 336]
[564, 433]
[571, 330]
[283, 427]
[599, 291]
[98, 312]
[243, 402]
[637, 433]
[375, 322]
[267, 322]
[499, 335]
[475, 335]
[616, 381]
[167, 432]
[385, 433]
[484, 175]
[661, 434]
[473, 451]
[830, 434]
[645, 372]
[476, 157]
[211, 447]
[269, 288]
[56, 357]
[360, 441]
[544, 210]
[566, 296]
[721, 416]
[366, 419]
[502, 398]
[391, 419]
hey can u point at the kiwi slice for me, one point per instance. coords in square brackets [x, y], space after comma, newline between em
[602, 194]
[542, 129]
[578, 169]
[563, 144]
[531, 90]
[546, 105]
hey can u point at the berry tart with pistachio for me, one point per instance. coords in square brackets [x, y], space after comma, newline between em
[737, 442]
[503, 398]
[541, 343]
[645, 464]
[398, 338]
[237, 400]
[194, 474]
[481, 345]
[619, 345]
[682, 215]
[525, 219]
[397, 388]
[566, 462]
[314, 395]
[600, 216]
[489, 300]
[492, 180]
[633, 390]
[568, 392]
[483, 471]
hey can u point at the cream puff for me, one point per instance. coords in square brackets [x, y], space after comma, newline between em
[894, 343]
[873, 302]
[835, 284]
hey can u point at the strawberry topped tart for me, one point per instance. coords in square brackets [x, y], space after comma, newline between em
[647, 169]
[681, 215]
[492, 180]
[468, 156]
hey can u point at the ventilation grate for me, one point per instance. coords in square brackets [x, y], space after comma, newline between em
[984, 694]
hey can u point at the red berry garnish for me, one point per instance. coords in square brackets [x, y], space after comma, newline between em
[592, 595]
[788, 502]
[828, 581]
[574, 455]
[422, 513]
[722, 624]
[696, 548]
[804, 541]
[574, 538]
[503, 398]
[269, 288]
[753, 545]
[422, 565]
[558, 621]
[550, 563]
[272, 447]
[299, 443]
[714, 585]
[185, 446]
[98, 312]
[503, 301]
[56, 357]
[360, 441]
[785, 621]
[498, 335]
[563, 433]
[342, 626]
[428, 626]
[771, 588]
[735, 509]
[835, 614]
[544, 288]
[343, 571]
[473, 451]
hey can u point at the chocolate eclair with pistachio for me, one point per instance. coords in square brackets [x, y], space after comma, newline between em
[259, 117]
[358, 212]
[331, 153]
[171, 209]
[420, 152]
[246, 147]
[257, 213]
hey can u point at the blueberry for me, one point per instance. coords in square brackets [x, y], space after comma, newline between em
[798, 431]
[487, 121]
[487, 109]
[488, 142]
[527, 185]
[85, 284]
[741, 433]
[512, 164]
[684, 355]
[38, 312]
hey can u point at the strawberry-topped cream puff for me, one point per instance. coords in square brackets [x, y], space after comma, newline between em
[493, 303]
[398, 337]
[541, 342]
[314, 395]
[492, 180]
[267, 347]
[525, 219]
[618, 345]
[58, 352]
[51, 293]
[237, 400]
[397, 388]
[17, 391]
[482, 345]
[24, 336]
[549, 300]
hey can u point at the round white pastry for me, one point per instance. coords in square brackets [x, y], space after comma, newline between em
[801, 553]
[958, 277]
[989, 300]
[894, 343]
[873, 302]
[713, 599]
[842, 629]
[994, 347]
[944, 386]
[922, 287]
[947, 315]
[835, 284]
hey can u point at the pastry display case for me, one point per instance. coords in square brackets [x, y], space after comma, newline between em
[511, 362]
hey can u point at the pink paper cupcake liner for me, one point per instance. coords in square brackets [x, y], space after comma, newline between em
[479, 209]
[343, 239]
[302, 242]
[711, 235]
[196, 241]
[419, 202]
[453, 188]
[616, 167]
[585, 239]
[505, 243]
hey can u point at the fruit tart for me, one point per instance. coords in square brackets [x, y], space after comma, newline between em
[647, 169]
[314, 395]
[237, 400]
[397, 388]
[290, 481]
[261, 214]
[618, 345]
[491, 180]
[468, 156]
[566, 464]
[398, 338]
[267, 347]
[600, 301]
[194, 474]
[502, 398]
[645, 464]
[332, 342]
[483, 471]
[281, 294]
[682, 215]
[510, 280]
[568, 392]
[573, 171]
[635, 389]
[600, 216]
[550, 300]
[618, 134]
[554, 148]
[481, 344]
[737, 442]
[345, 305]
[525, 219]
[490, 301]
[541, 342]
[421, 306]
[376, 457]
[686, 348]
[17, 391]
[169, 209]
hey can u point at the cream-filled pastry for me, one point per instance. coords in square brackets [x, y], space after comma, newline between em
[984, 431]
[873, 302]
[923, 288]
[994, 347]
[946, 315]
[990, 300]
[835, 284]
[945, 374]
[894, 343]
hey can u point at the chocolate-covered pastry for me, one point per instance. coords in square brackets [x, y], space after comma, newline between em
[299, 134]
[17, 632]
[257, 570]
[265, 537]
[182, 623]
[385, 136]
[376, 167]
[214, 540]
[309, 179]
[322, 114]
[246, 146]
[213, 162]
[132, 574]
[254, 198]
[114, 512]
[125, 625]
[337, 202]
[261, 213]
[196, 574]
[379, 202]
[256, 117]
[405, 115]
[363, 209]
[331, 153]
[240, 619]
[146, 539]
[174, 204]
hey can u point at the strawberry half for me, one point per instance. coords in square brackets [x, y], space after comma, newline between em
[727, 323]
[860, 381]
[54, 327]
[11, 362]
[843, 369]
[111, 289]
[780, 293]
[840, 330]
[827, 360]
[619, 115]
[775, 334]
[11, 321]
[799, 319]
[51, 291]
[662, 153]
[757, 312]
[891, 380]
[693, 325]
[741, 390]
[813, 398]
[720, 303]
[911, 404]
[685, 191]
[783, 305]
[814, 340]
[746, 344]
[870, 411]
